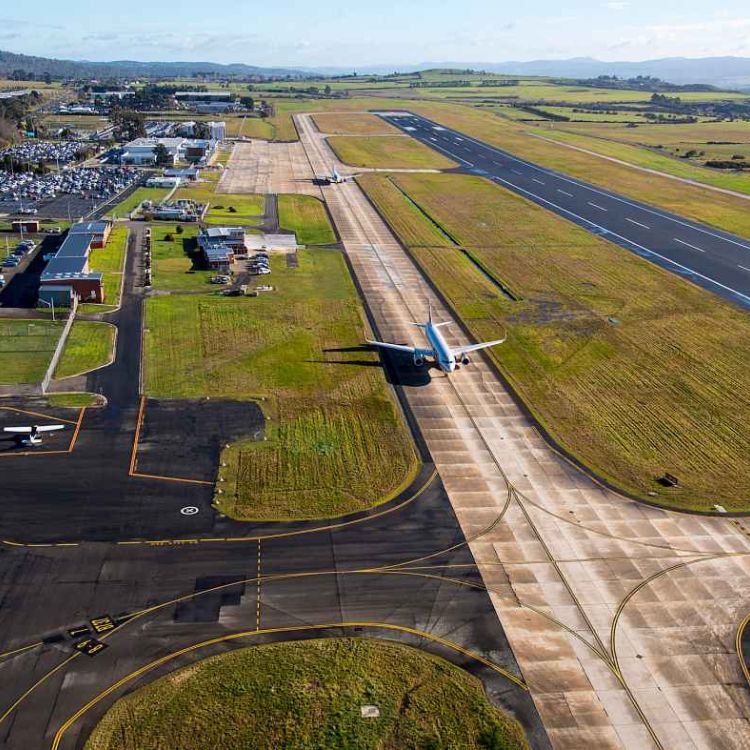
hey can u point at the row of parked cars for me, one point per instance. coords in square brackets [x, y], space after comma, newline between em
[94, 182]
[258, 265]
[41, 152]
[12, 260]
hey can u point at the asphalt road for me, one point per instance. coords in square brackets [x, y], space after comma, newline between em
[104, 577]
[713, 259]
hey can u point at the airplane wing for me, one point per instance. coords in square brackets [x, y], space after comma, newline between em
[50, 427]
[402, 348]
[458, 351]
[18, 430]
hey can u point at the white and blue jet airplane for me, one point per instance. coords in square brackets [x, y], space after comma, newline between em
[446, 357]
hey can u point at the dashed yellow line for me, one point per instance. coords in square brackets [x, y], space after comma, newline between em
[271, 631]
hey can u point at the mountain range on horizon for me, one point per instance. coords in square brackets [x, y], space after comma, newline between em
[722, 72]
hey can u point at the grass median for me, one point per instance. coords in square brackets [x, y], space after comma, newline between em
[306, 216]
[89, 345]
[336, 441]
[387, 152]
[310, 694]
[632, 369]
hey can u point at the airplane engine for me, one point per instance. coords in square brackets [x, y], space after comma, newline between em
[465, 360]
[418, 361]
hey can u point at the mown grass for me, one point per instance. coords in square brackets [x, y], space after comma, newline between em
[394, 152]
[73, 400]
[89, 345]
[309, 694]
[306, 216]
[175, 262]
[26, 348]
[336, 441]
[722, 211]
[127, 206]
[632, 369]
[225, 208]
[354, 123]
[109, 261]
[250, 127]
[661, 162]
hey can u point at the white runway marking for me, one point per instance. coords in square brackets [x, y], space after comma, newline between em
[570, 195]
[596, 205]
[637, 223]
[687, 244]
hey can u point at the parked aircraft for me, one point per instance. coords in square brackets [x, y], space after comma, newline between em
[29, 436]
[446, 357]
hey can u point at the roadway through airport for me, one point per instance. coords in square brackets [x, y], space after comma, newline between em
[621, 616]
[716, 260]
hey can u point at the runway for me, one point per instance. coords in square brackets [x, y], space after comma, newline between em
[713, 259]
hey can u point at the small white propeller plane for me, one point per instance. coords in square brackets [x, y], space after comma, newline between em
[447, 358]
[29, 436]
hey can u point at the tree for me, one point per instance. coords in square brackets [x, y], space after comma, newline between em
[201, 130]
[327, 90]
[161, 155]
[128, 124]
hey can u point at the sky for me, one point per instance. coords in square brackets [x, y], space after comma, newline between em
[317, 33]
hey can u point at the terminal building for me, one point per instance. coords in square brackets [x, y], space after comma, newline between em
[141, 152]
[221, 246]
[68, 274]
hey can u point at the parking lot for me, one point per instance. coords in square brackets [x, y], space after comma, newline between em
[44, 152]
[72, 192]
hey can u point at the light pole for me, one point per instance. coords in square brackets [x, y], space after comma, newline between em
[51, 304]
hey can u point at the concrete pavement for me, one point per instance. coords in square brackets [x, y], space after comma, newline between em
[622, 617]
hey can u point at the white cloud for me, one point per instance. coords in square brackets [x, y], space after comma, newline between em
[615, 5]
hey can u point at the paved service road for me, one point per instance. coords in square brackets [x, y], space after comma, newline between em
[709, 257]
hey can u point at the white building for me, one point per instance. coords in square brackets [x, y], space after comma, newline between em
[141, 150]
[217, 130]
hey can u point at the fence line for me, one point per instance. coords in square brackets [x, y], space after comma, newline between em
[60, 345]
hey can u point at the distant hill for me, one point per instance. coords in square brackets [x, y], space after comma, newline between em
[38, 67]
[723, 72]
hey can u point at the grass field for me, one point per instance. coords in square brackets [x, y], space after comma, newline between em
[225, 208]
[26, 348]
[664, 160]
[89, 345]
[174, 262]
[73, 400]
[634, 370]
[309, 694]
[336, 442]
[354, 124]
[250, 127]
[123, 209]
[396, 152]
[306, 216]
[109, 261]
[722, 211]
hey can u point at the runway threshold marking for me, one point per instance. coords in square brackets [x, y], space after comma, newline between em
[275, 631]
[133, 472]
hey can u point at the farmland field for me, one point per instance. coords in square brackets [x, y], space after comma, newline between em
[89, 345]
[632, 369]
[336, 441]
[306, 216]
[26, 347]
[244, 699]
[387, 152]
